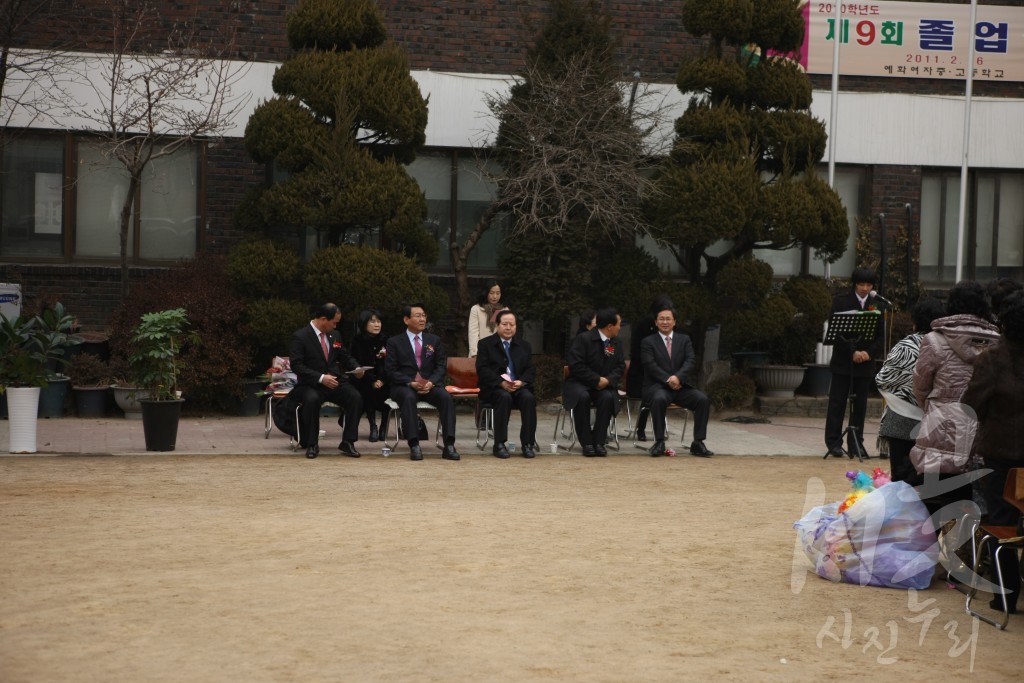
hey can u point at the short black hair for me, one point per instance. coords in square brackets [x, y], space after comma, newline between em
[606, 317]
[326, 311]
[666, 308]
[999, 290]
[502, 313]
[968, 298]
[863, 275]
[1012, 317]
[407, 309]
[586, 318]
[925, 312]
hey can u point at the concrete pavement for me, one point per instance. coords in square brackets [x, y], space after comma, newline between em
[780, 435]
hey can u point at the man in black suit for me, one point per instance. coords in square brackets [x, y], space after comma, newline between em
[852, 368]
[319, 361]
[505, 373]
[596, 363]
[416, 364]
[668, 361]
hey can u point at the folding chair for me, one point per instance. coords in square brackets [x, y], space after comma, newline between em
[1007, 539]
[398, 432]
[465, 386]
[268, 424]
[566, 415]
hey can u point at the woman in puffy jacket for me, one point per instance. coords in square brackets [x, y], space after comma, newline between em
[944, 367]
[996, 394]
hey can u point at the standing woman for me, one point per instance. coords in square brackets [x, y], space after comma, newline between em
[895, 380]
[943, 370]
[481, 316]
[996, 394]
[369, 351]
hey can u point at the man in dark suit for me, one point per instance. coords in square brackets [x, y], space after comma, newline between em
[505, 373]
[852, 368]
[596, 363]
[668, 361]
[319, 361]
[416, 364]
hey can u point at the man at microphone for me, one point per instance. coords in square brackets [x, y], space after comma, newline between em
[853, 367]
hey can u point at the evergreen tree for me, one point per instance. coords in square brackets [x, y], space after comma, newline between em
[346, 116]
[742, 170]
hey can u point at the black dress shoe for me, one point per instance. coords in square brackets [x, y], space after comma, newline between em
[836, 452]
[589, 451]
[700, 450]
[500, 451]
[449, 452]
[312, 452]
[374, 436]
[657, 449]
[641, 435]
[415, 452]
[528, 452]
[348, 448]
[600, 450]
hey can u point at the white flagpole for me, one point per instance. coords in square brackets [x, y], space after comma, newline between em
[833, 115]
[966, 145]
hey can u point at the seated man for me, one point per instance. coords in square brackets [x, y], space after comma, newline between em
[596, 363]
[415, 364]
[319, 361]
[668, 361]
[505, 373]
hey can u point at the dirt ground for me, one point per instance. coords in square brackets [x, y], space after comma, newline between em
[564, 568]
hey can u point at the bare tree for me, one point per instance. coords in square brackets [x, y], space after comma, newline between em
[33, 83]
[158, 91]
[576, 152]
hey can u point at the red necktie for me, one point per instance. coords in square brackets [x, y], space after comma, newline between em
[323, 345]
[419, 350]
[668, 346]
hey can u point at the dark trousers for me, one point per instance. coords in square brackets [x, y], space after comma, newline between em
[838, 394]
[406, 399]
[899, 461]
[659, 398]
[344, 395]
[606, 404]
[503, 402]
[373, 401]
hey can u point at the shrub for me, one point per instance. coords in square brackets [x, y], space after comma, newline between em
[356, 278]
[261, 267]
[734, 392]
[213, 366]
[272, 323]
[549, 376]
[88, 370]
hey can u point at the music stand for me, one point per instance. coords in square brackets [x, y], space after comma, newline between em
[851, 327]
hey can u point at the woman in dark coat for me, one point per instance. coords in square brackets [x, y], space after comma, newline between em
[368, 350]
[996, 394]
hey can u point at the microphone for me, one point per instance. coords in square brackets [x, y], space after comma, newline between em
[876, 295]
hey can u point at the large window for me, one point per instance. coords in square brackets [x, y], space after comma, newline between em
[34, 195]
[993, 227]
[32, 198]
[166, 227]
[462, 199]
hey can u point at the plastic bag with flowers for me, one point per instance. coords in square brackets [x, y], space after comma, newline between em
[280, 376]
[879, 536]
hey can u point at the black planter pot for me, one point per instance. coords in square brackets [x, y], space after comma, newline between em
[91, 401]
[250, 404]
[160, 423]
[817, 380]
[53, 396]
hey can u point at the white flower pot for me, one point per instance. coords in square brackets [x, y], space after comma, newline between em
[22, 412]
[778, 380]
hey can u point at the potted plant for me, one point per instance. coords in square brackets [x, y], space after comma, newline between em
[28, 345]
[90, 382]
[126, 394]
[155, 345]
